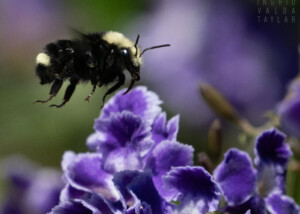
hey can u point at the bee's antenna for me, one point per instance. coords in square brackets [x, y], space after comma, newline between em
[158, 46]
[136, 42]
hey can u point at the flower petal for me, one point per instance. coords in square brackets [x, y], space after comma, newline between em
[236, 177]
[122, 159]
[281, 204]
[44, 192]
[271, 149]
[71, 207]
[31, 188]
[122, 180]
[139, 101]
[289, 115]
[93, 141]
[96, 201]
[168, 154]
[163, 130]
[84, 172]
[122, 130]
[20, 171]
[141, 186]
[91, 204]
[254, 205]
[123, 139]
[289, 109]
[272, 156]
[195, 186]
[69, 192]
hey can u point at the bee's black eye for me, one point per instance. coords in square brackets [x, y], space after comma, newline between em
[124, 52]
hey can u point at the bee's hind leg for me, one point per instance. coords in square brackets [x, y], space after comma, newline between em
[53, 91]
[120, 82]
[68, 94]
[91, 94]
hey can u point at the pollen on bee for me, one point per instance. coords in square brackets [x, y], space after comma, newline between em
[43, 59]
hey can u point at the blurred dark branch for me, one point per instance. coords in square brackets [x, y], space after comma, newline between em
[204, 161]
[215, 141]
[294, 165]
[218, 103]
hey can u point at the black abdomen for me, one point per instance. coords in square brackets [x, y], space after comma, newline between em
[66, 59]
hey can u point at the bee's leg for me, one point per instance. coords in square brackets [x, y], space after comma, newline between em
[69, 91]
[92, 92]
[120, 82]
[53, 91]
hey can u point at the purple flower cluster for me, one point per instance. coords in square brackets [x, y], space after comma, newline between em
[136, 164]
[262, 189]
[31, 189]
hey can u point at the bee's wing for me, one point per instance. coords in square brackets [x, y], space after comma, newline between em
[78, 35]
[82, 41]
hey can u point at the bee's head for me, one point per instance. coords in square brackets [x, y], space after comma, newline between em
[130, 53]
[132, 57]
[132, 61]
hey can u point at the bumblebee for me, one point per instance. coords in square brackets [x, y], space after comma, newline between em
[99, 58]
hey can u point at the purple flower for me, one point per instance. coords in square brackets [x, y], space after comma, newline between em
[33, 190]
[75, 207]
[139, 101]
[166, 155]
[236, 169]
[282, 204]
[163, 130]
[289, 110]
[92, 203]
[163, 160]
[272, 149]
[244, 187]
[135, 148]
[196, 190]
[140, 185]
[255, 204]
[85, 173]
[123, 139]
[194, 187]
[123, 132]
[272, 156]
